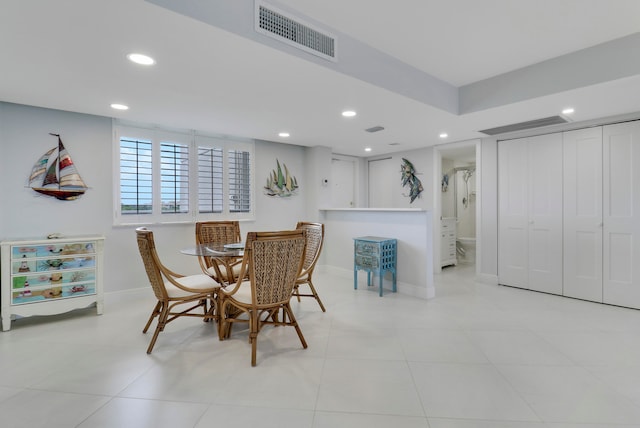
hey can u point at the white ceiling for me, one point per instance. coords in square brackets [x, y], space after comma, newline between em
[70, 55]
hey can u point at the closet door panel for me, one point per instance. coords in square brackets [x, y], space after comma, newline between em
[545, 213]
[513, 211]
[582, 185]
[621, 158]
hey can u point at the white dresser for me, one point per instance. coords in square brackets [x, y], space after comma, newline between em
[50, 276]
[448, 242]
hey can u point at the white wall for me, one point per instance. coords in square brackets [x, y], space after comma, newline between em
[318, 168]
[276, 213]
[422, 160]
[487, 198]
[24, 137]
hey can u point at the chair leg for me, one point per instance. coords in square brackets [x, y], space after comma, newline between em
[292, 321]
[162, 321]
[212, 312]
[315, 294]
[296, 291]
[208, 312]
[154, 313]
[222, 321]
[254, 328]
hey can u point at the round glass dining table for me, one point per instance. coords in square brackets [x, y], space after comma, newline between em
[215, 250]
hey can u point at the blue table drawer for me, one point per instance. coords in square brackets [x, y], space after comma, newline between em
[367, 261]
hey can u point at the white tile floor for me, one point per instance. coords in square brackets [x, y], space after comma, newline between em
[475, 356]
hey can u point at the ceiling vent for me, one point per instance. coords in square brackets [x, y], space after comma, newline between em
[374, 129]
[537, 123]
[289, 29]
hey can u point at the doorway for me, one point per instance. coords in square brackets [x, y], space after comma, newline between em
[457, 205]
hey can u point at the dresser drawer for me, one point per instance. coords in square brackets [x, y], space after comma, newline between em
[367, 248]
[367, 261]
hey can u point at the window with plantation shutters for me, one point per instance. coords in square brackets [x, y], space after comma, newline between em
[239, 181]
[136, 192]
[174, 178]
[210, 180]
[168, 177]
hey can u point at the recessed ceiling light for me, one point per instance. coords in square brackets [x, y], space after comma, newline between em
[568, 110]
[119, 107]
[141, 59]
[444, 135]
[367, 149]
[348, 113]
[283, 134]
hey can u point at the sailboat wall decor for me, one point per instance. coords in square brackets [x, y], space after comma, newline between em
[54, 174]
[281, 184]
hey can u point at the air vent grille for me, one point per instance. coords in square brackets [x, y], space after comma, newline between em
[278, 25]
[537, 123]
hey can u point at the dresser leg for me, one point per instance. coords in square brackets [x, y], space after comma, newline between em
[394, 281]
[6, 322]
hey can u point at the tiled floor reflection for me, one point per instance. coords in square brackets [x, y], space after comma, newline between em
[475, 356]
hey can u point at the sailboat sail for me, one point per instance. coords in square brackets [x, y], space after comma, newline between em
[40, 167]
[55, 174]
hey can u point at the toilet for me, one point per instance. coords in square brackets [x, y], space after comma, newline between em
[466, 249]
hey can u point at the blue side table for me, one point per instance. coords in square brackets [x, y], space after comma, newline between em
[375, 254]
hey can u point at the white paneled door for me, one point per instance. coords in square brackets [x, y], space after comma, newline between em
[583, 220]
[343, 178]
[621, 232]
[513, 212]
[545, 213]
[530, 210]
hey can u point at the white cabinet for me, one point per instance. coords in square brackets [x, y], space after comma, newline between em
[50, 276]
[530, 213]
[448, 242]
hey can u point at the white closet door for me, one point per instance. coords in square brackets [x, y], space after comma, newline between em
[513, 250]
[583, 214]
[545, 213]
[621, 159]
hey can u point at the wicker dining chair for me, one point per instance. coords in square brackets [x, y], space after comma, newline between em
[173, 290]
[315, 239]
[273, 261]
[224, 270]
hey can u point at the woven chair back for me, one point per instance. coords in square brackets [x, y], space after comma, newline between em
[315, 238]
[275, 261]
[147, 248]
[224, 232]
